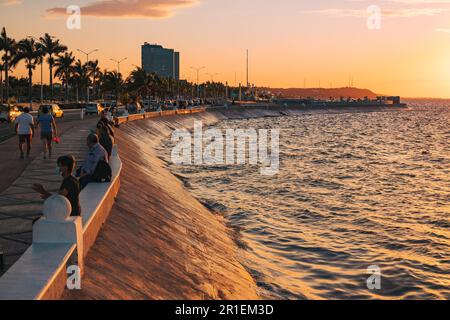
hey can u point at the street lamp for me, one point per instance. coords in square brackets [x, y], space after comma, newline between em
[212, 75]
[87, 60]
[118, 73]
[198, 78]
[118, 64]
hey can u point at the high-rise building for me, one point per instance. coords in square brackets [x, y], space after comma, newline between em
[164, 62]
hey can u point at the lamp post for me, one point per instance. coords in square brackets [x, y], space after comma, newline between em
[87, 60]
[118, 73]
[118, 64]
[212, 75]
[198, 78]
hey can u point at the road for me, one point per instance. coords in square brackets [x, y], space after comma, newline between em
[7, 129]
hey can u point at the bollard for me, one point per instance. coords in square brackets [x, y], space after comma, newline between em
[2, 262]
[82, 114]
[57, 227]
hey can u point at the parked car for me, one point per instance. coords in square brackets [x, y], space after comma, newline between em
[9, 113]
[93, 108]
[53, 109]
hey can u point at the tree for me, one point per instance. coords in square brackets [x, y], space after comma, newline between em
[94, 73]
[139, 82]
[2, 66]
[80, 76]
[112, 82]
[30, 53]
[51, 47]
[9, 46]
[64, 67]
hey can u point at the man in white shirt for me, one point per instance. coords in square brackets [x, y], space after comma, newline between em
[24, 126]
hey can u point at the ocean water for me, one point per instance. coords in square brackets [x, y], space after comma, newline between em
[354, 190]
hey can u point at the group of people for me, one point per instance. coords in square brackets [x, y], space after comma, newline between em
[25, 127]
[95, 167]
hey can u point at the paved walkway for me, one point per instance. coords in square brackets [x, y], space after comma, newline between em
[19, 204]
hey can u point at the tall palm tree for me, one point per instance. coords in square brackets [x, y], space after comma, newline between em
[64, 67]
[138, 82]
[51, 47]
[80, 76]
[94, 73]
[8, 45]
[2, 66]
[30, 53]
[112, 82]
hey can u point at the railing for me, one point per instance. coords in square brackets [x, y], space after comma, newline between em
[60, 241]
[157, 114]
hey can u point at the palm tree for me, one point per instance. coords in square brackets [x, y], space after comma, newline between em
[64, 68]
[138, 82]
[29, 51]
[94, 73]
[7, 45]
[2, 66]
[80, 76]
[50, 48]
[112, 82]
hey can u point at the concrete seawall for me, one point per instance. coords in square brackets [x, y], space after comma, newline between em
[159, 242]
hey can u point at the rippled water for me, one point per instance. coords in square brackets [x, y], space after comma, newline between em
[354, 190]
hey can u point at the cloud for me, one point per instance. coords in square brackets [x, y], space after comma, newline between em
[10, 2]
[443, 30]
[129, 8]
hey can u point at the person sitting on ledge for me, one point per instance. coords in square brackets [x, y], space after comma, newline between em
[95, 155]
[106, 140]
[104, 120]
[70, 187]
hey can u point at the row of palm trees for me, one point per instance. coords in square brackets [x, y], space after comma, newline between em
[74, 74]
[32, 52]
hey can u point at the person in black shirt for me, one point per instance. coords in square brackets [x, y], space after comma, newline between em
[70, 187]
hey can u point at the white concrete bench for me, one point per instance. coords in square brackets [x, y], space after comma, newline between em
[60, 241]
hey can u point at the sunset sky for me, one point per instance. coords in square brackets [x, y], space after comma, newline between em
[289, 40]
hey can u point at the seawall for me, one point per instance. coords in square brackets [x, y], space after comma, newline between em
[159, 241]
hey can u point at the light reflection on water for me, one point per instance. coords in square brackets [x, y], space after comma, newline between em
[354, 190]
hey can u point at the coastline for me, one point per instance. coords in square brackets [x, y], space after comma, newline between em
[164, 244]
[161, 244]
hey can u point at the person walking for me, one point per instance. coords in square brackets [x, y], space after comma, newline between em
[24, 128]
[48, 130]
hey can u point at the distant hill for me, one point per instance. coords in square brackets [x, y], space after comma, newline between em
[325, 93]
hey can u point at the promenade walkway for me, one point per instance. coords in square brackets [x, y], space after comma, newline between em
[19, 204]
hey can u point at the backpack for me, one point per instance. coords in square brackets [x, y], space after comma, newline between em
[103, 172]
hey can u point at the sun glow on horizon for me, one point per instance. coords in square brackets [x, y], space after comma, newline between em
[291, 44]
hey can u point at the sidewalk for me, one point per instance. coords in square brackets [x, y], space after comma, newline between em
[19, 204]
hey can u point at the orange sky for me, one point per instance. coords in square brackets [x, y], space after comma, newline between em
[290, 41]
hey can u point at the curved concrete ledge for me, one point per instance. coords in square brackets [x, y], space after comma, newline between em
[41, 273]
[148, 115]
